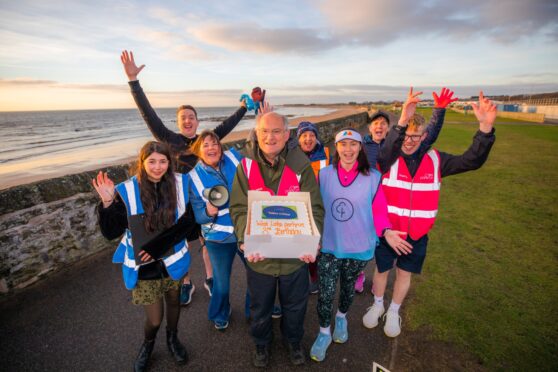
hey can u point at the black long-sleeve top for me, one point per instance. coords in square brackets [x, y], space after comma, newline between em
[473, 158]
[113, 222]
[185, 160]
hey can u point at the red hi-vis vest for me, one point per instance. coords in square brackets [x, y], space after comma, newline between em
[290, 181]
[413, 201]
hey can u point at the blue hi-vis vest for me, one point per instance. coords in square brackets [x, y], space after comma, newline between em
[177, 263]
[222, 227]
[349, 224]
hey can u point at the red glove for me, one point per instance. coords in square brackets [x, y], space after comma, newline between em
[444, 99]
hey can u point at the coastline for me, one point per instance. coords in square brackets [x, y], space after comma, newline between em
[50, 224]
[19, 176]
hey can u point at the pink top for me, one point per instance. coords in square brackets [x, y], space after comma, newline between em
[379, 204]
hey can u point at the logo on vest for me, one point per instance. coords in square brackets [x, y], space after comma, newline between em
[426, 177]
[342, 209]
[293, 189]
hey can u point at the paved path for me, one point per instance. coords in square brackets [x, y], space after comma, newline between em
[82, 319]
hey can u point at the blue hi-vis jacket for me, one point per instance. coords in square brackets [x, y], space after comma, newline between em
[177, 263]
[203, 177]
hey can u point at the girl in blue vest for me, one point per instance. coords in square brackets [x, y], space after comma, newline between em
[139, 210]
[356, 215]
[216, 168]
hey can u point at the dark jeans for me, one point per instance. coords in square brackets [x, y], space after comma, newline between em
[293, 297]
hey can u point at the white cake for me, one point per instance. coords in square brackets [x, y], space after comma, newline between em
[279, 218]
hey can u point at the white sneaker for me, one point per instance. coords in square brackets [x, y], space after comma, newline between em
[392, 328]
[370, 319]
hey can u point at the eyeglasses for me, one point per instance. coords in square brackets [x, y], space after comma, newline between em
[274, 132]
[413, 137]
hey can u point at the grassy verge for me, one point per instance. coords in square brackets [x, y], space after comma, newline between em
[490, 281]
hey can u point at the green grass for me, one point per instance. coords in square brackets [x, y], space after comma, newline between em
[490, 280]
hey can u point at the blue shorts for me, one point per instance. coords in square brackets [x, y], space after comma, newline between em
[385, 256]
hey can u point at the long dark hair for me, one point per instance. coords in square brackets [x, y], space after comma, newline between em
[158, 200]
[362, 160]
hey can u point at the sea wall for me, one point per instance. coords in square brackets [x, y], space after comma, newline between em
[48, 225]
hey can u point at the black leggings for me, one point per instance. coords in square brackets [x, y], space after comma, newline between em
[154, 313]
[331, 268]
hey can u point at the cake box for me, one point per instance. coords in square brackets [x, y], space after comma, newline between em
[271, 246]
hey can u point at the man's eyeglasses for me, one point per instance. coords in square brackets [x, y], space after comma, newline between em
[413, 137]
[274, 132]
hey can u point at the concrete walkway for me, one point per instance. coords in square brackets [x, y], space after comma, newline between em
[82, 319]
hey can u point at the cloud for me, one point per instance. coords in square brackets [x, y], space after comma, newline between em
[28, 83]
[25, 82]
[252, 37]
[174, 45]
[383, 21]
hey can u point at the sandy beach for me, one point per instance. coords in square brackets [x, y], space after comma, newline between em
[19, 174]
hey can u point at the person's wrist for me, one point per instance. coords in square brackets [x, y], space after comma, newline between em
[384, 231]
[485, 128]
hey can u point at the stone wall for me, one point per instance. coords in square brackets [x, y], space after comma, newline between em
[50, 224]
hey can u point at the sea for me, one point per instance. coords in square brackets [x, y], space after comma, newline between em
[39, 145]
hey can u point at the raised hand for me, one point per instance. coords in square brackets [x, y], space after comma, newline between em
[399, 245]
[130, 67]
[104, 187]
[409, 107]
[444, 99]
[485, 111]
[265, 108]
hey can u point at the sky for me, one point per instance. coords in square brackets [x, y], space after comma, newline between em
[57, 55]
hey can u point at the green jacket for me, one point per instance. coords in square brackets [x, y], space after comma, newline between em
[299, 163]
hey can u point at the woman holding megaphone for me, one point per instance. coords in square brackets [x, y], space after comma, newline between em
[211, 182]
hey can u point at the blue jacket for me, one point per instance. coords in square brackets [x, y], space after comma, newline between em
[219, 229]
[177, 263]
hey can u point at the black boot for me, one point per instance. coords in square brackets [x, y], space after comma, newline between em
[296, 353]
[261, 358]
[176, 349]
[142, 359]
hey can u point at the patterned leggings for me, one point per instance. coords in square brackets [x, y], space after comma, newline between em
[329, 269]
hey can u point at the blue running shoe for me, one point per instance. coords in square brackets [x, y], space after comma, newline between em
[186, 292]
[340, 334]
[221, 325]
[318, 351]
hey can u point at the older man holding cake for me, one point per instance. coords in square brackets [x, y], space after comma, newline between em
[270, 166]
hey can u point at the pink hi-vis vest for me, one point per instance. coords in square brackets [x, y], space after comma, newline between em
[290, 181]
[413, 201]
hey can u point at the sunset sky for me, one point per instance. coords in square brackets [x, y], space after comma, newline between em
[65, 54]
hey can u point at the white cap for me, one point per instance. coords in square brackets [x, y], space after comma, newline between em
[348, 134]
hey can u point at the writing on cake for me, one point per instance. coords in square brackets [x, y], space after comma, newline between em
[279, 218]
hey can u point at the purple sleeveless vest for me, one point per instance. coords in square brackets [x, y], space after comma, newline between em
[349, 225]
